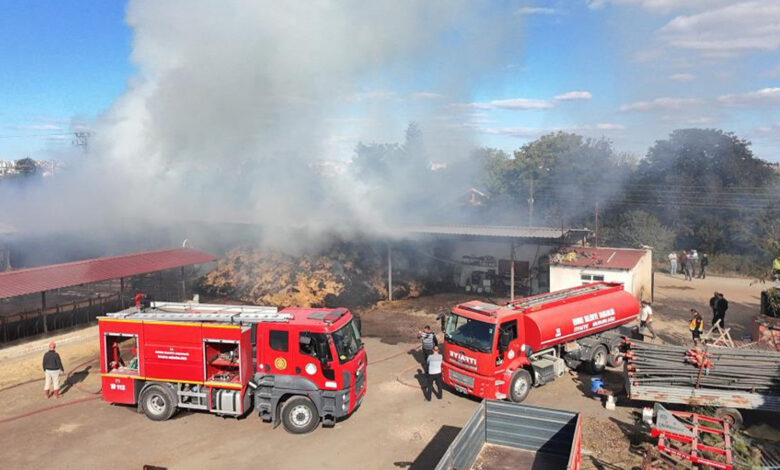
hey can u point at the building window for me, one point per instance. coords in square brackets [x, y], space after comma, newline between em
[588, 278]
[278, 340]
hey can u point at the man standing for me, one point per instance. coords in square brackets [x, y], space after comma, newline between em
[694, 261]
[52, 368]
[429, 341]
[673, 263]
[696, 326]
[703, 263]
[433, 367]
[646, 317]
[719, 308]
[688, 267]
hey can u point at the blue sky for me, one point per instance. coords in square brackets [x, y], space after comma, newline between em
[628, 70]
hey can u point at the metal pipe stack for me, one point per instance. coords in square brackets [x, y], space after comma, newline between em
[709, 368]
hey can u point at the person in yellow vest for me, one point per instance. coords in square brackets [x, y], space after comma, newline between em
[696, 326]
[776, 268]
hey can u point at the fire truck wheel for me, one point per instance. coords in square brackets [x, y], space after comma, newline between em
[598, 359]
[519, 386]
[157, 403]
[730, 415]
[299, 415]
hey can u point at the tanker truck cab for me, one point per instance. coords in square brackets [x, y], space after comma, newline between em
[501, 352]
[296, 367]
[314, 370]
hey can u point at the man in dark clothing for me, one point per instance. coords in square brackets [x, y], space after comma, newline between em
[703, 263]
[719, 305]
[52, 368]
[428, 340]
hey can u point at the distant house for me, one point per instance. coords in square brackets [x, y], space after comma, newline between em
[574, 266]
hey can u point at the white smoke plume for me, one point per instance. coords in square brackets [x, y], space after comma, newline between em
[235, 101]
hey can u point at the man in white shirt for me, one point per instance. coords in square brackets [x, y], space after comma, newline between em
[646, 317]
[434, 374]
[673, 263]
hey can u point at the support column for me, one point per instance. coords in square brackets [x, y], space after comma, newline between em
[43, 314]
[389, 273]
[512, 272]
[183, 286]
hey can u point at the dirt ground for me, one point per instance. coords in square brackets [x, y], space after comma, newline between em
[394, 428]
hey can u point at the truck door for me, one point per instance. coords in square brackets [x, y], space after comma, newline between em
[508, 331]
[276, 351]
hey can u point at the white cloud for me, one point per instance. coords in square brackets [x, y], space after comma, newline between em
[661, 6]
[524, 132]
[607, 126]
[427, 95]
[660, 103]
[682, 77]
[764, 96]
[41, 127]
[574, 95]
[514, 103]
[371, 95]
[731, 29]
[536, 11]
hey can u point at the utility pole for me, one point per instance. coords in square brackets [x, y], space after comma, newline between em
[81, 139]
[597, 226]
[531, 201]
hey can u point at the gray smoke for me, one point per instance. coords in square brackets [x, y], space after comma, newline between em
[238, 105]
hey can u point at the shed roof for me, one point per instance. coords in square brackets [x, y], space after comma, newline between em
[600, 258]
[494, 231]
[55, 276]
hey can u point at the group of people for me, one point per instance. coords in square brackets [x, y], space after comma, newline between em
[718, 305]
[687, 262]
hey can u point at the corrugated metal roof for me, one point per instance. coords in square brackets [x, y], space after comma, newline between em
[602, 258]
[55, 276]
[551, 233]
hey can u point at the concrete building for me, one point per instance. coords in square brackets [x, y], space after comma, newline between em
[574, 266]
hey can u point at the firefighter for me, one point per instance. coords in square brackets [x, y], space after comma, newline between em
[696, 326]
[52, 368]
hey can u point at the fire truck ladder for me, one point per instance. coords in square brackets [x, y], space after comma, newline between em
[545, 298]
[178, 311]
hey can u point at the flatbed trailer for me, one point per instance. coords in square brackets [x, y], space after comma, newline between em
[503, 436]
[650, 376]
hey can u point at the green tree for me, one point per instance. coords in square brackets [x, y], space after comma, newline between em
[636, 228]
[26, 166]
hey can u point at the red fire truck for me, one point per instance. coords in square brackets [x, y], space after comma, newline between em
[499, 352]
[308, 365]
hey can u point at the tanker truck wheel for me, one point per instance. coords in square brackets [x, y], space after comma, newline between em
[299, 415]
[615, 356]
[520, 386]
[598, 359]
[730, 415]
[158, 403]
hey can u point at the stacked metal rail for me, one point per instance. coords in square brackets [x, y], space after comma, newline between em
[720, 377]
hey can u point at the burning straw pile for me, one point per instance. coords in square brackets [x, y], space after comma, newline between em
[345, 274]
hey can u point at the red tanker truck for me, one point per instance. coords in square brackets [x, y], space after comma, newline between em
[499, 352]
[309, 365]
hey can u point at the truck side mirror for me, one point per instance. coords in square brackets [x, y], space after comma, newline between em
[503, 340]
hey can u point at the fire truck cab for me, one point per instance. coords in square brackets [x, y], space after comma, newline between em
[501, 352]
[295, 366]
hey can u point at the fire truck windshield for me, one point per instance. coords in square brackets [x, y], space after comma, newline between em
[471, 334]
[347, 341]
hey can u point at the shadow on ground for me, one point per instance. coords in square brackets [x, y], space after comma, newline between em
[433, 452]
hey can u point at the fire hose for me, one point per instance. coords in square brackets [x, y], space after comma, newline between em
[89, 398]
[93, 395]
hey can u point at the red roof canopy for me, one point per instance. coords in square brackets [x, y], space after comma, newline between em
[604, 258]
[55, 276]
